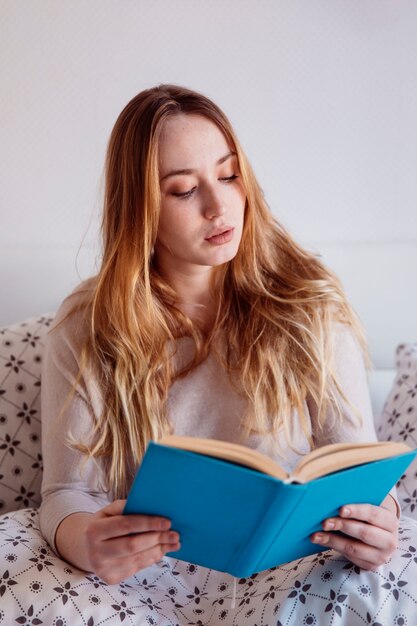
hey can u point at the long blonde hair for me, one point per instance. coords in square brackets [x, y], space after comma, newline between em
[277, 303]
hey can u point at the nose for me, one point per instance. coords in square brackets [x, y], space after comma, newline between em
[214, 206]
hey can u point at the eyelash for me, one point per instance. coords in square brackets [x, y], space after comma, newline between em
[188, 194]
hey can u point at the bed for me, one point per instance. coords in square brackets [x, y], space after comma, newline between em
[37, 587]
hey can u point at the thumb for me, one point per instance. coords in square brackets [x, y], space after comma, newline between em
[115, 508]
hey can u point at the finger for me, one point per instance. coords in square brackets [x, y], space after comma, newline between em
[107, 527]
[375, 515]
[366, 565]
[113, 571]
[127, 546]
[352, 549]
[156, 553]
[368, 534]
[114, 508]
[142, 558]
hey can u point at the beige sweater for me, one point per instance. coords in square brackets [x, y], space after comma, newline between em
[203, 405]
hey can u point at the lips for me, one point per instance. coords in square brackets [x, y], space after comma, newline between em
[219, 231]
[221, 236]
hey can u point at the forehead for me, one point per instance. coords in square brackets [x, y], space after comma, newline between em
[190, 138]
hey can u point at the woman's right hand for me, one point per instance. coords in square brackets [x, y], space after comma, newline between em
[117, 546]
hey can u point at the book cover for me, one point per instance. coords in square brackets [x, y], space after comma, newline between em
[241, 521]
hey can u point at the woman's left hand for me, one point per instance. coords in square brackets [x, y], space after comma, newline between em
[371, 533]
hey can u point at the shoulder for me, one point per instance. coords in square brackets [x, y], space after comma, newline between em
[350, 362]
[70, 329]
[347, 340]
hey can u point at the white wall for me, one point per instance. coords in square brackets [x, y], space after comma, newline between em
[322, 93]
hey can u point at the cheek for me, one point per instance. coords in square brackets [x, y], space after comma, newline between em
[174, 223]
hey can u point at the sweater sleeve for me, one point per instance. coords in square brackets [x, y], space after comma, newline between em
[357, 423]
[71, 483]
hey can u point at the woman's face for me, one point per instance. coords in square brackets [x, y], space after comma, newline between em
[203, 200]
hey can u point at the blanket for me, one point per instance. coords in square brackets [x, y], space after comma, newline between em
[37, 587]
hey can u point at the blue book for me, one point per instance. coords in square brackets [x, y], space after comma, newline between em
[238, 512]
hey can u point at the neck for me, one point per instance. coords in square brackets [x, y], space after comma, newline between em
[195, 295]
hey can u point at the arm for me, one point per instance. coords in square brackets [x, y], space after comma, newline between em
[77, 516]
[371, 532]
[69, 484]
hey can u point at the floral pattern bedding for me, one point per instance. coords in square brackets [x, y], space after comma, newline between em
[37, 587]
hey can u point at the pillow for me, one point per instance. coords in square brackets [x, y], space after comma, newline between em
[21, 348]
[399, 421]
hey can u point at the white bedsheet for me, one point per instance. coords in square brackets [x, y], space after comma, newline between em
[36, 587]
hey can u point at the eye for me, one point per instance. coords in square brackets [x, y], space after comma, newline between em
[229, 179]
[186, 194]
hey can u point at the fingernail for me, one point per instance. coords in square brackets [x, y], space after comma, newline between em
[173, 548]
[346, 511]
[329, 524]
[318, 538]
[165, 524]
[173, 537]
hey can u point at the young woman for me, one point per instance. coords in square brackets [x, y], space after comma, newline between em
[205, 319]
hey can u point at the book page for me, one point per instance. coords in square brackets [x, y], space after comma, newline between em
[227, 451]
[338, 456]
[319, 462]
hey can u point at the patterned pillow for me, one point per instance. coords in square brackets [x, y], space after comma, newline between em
[399, 421]
[21, 347]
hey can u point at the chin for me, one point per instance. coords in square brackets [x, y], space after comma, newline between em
[223, 258]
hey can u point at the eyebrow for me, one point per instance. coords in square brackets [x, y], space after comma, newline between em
[186, 172]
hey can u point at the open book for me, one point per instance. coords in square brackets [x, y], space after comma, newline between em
[319, 462]
[237, 511]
